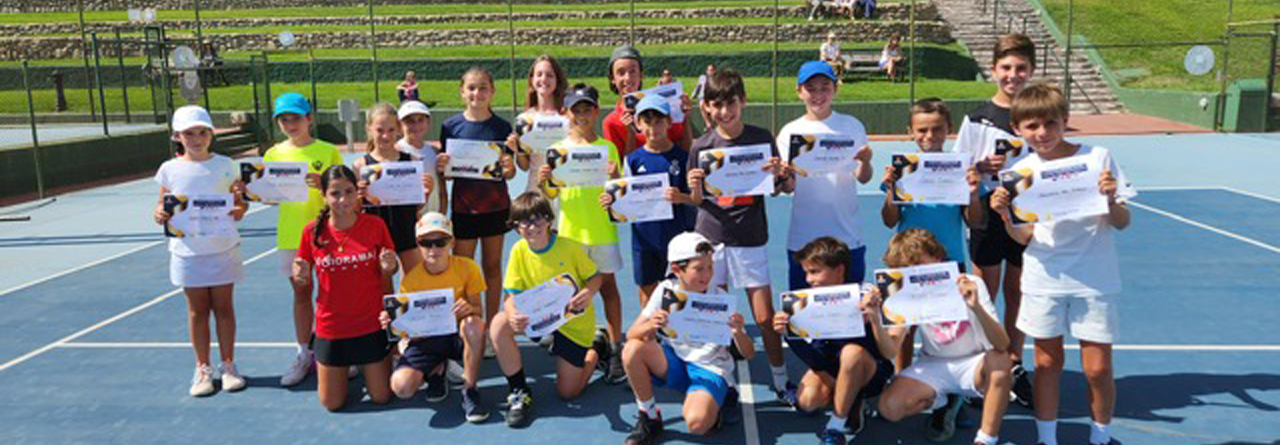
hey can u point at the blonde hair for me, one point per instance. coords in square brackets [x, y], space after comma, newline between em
[1039, 100]
[910, 248]
[374, 112]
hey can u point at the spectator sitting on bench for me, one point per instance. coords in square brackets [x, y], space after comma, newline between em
[830, 53]
[666, 78]
[891, 57]
[212, 64]
[863, 8]
[408, 90]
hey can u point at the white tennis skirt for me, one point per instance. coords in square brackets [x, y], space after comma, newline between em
[214, 269]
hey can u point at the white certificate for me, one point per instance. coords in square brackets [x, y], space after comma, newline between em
[671, 92]
[200, 216]
[825, 312]
[579, 165]
[1056, 190]
[931, 178]
[698, 318]
[274, 181]
[394, 183]
[820, 154]
[547, 305]
[638, 199]
[474, 159]
[737, 171]
[539, 132]
[421, 314]
[980, 140]
[921, 295]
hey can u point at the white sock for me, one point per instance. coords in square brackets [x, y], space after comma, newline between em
[984, 439]
[1047, 431]
[1100, 433]
[779, 377]
[303, 349]
[835, 423]
[647, 406]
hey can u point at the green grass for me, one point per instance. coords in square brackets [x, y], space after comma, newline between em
[1121, 22]
[445, 94]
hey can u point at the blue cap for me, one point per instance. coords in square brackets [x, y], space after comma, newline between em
[653, 102]
[291, 103]
[815, 68]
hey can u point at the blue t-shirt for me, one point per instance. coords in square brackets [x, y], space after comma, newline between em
[945, 222]
[473, 196]
[654, 235]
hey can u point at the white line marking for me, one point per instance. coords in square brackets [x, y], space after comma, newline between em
[747, 399]
[98, 262]
[1210, 228]
[117, 317]
[744, 374]
[174, 345]
[1250, 194]
[1178, 188]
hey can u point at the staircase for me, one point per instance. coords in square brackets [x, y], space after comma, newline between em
[235, 142]
[977, 23]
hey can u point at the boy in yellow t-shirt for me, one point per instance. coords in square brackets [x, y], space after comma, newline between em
[537, 258]
[293, 115]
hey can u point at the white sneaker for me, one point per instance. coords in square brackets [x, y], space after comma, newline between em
[202, 381]
[302, 365]
[231, 378]
[454, 372]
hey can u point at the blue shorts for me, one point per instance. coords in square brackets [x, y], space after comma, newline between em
[824, 356]
[853, 274]
[688, 377]
[424, 354]
[648, 266]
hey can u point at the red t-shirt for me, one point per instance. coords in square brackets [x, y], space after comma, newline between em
[350, 276]
[616, 133]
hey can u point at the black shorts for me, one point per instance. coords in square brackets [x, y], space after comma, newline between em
[480, 225]
[566, 349]
[992, 245]
[824, 356]
[425, 354]
[361, 350]
[649, 266]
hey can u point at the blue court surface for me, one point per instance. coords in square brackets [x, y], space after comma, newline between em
[96, 349]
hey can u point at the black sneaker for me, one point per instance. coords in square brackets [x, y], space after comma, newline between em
[963, 419]
[857, 418]
[600, 344]
[472, 407]
[1113, 441]
[437, 388]
[1022, 394]
[941, 425]
[788, 395]
[831, 437]
[730, 411]
[646, 431]
[520, 412]
[616, 373]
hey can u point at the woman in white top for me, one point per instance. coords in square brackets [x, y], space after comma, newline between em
[891, 56]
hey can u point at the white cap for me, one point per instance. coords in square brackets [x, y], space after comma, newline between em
[191, 116]
[412, 107]
[688, 245]
[433, 222]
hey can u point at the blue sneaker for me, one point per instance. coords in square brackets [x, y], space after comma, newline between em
[831, 437]
[788, 395]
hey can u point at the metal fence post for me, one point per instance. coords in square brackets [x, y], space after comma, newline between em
[911, 54]
[1066, 68]
[124, 81]
[373, 49]
[311, 74]
[84, 55]
[511, 59]
[97, 79]
[773, 113]
[35, 137]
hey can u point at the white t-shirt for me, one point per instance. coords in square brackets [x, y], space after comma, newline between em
[889, 53]
[978, 140]
[428, 156]
[824, 205]
[536, 159]
[831, 51]
[959, 339]
[183, 177]
[709, 356]
[1077, 256]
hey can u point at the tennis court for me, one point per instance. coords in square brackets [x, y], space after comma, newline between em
[96, 343]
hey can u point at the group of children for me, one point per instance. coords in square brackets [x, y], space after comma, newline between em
[350, 251]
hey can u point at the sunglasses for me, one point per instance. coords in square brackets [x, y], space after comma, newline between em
[430, 243]
[530, 222]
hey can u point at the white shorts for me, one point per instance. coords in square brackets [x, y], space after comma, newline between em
[214, 269]
[608, 257]
[946, 376]
[285, 264]
[1094, 318]
[741, 267]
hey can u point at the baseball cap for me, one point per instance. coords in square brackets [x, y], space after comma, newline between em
[688, 245]
[412, 107]
[291, 103]
[587, 93]
[653, 102]
[191, 116]
[623, 52]
[815, 68]
[433, 222]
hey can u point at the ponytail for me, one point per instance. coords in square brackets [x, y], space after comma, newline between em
[321, 221]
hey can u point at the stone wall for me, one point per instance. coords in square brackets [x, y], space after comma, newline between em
[120, 5]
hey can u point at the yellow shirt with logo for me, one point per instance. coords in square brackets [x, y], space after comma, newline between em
[462, 275]
[294, 216]
[527, 268]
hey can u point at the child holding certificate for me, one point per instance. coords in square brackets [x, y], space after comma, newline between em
[206, 267]
[702, 371]
[293, 115]
[930, 123]
[383, 129]
[425, 359]
[842, 373]
[626, 76]
[1071, 276]
[959, 359]
[480, 207]
[352, 255]
[582, 219]
[538, 257]
[547, 85]
[739, 222]
[415, 123]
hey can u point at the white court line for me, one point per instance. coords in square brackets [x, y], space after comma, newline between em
[103, 323]
[98, 262]
[744, 374]
[747, 399]
[1250, 194]
[1188, 221]
[1178, 188]
[172, 345]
